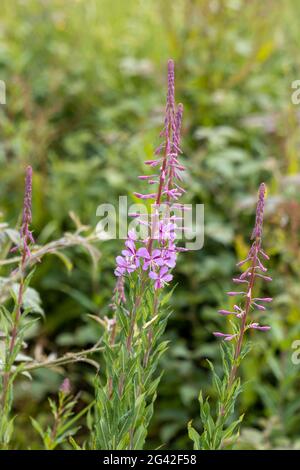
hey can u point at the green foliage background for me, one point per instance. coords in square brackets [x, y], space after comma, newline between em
[86, 87]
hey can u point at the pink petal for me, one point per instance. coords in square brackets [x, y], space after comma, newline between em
[153, 275]
[143, 253]
[126, 253]
[156, 253]
[121, 261]
[163, 271]
[167, 278]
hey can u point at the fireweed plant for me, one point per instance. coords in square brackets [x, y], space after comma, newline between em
[220, 430]
[133, 344]
[25, 311]
[16, 323]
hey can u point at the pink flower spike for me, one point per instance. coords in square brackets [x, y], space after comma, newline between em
[25, 233]
[157, 255]
[257, 232]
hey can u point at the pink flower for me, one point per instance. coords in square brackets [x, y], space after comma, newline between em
[166, 231]
[130, 252]
[150, 260]
[124, 265]
[161, 278]
[169, 258]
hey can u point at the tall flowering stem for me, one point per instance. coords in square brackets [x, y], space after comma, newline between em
[143, 270]
[11, 323]
[218, 431]
[26, 240]
[248, 277]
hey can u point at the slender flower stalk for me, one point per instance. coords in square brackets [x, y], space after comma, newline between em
[248, 277]
[220, 430]
[26, 239]
[13, 335]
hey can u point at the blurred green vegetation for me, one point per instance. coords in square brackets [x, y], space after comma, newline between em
[86, 87]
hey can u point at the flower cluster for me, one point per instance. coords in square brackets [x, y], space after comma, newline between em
[25, 232]
[156, 254]
[256, 269]
[65, 386]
